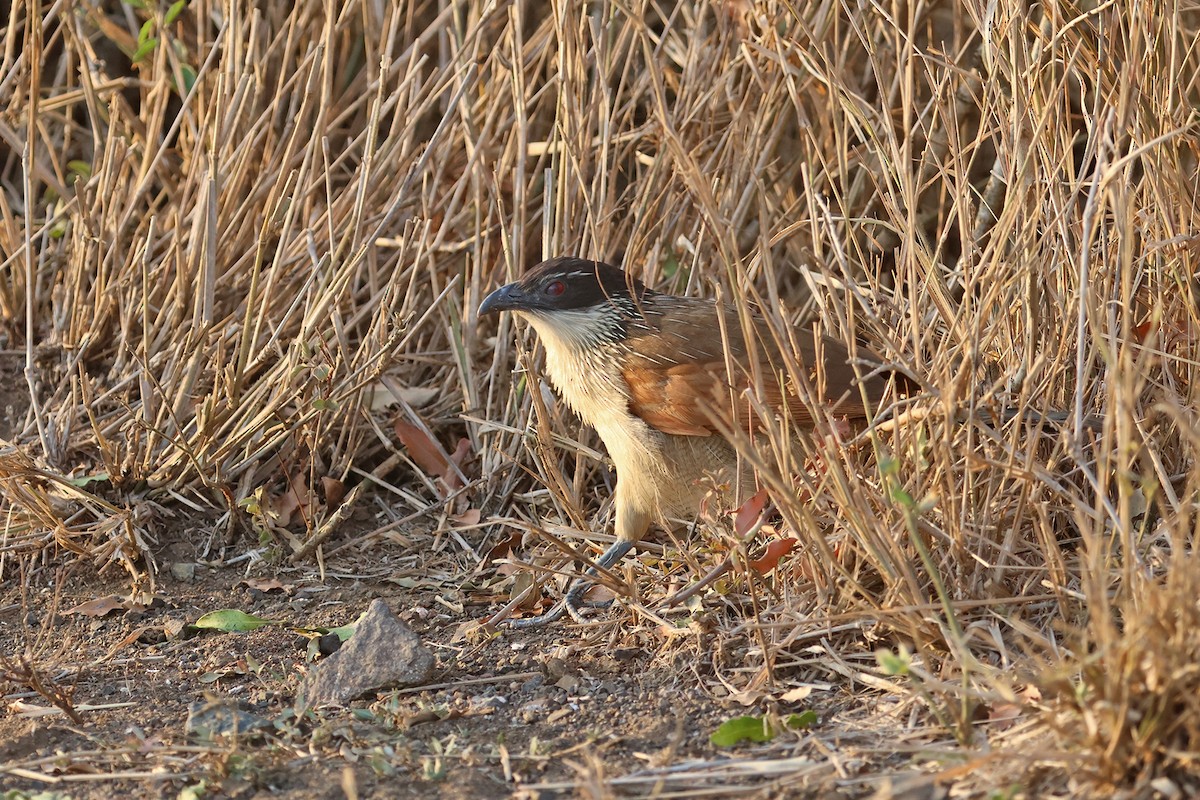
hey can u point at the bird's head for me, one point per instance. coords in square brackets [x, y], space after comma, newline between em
[566, 285]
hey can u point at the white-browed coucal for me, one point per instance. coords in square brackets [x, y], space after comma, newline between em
[649, 372]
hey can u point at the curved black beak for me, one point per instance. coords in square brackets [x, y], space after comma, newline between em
[507, 298]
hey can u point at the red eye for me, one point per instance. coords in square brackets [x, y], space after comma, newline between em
[555, 288]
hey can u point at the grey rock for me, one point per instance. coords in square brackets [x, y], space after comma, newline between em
[383, 653]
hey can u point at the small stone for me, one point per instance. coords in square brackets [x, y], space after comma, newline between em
[534, 683]
[557, 668]
[383, 653]
[184, 571]
[533, 710]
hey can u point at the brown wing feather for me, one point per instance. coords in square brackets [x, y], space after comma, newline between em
[679, 385]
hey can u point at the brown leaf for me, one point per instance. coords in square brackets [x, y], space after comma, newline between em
[748, 697]
[796, 695]
[334, 491]
[842, 427]
[1003, 716]
[141, 601]
[522, 581]
[268, 585]
[504, 547]
[776, 550]
[599, 593]
[100, 607]
[561, 713]
[749, 513]
[297, 497]
[468, 518]
[462, 451]
[468, 630]
[451, 475]
[419, 717]
[423, 450]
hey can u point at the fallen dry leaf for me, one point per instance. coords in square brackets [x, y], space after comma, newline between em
[268, 585]
[462, 451]
[424, 452]
[100, 607]
[502, 548]
[796, 695]
[297, 497]
[1003, 716]
[748, 697]
[559, 714]
[468, 518]
[334, 491]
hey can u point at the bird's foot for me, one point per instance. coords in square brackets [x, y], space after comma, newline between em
[571, 605]
[573, 601]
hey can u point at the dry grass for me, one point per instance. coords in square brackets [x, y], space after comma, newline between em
[215, 290]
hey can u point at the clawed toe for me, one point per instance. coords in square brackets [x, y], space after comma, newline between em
[569, 605]
[573, 601]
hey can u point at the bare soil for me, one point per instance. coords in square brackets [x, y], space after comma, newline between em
[535, 712]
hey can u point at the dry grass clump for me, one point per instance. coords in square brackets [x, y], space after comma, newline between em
[1136, 702]
[243, 245]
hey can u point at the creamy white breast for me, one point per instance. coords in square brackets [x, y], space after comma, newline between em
[585, 371]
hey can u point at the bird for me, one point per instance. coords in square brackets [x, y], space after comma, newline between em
[659, 376]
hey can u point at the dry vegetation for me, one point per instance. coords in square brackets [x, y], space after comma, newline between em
[224, 258]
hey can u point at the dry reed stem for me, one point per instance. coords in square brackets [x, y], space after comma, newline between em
[212, 260]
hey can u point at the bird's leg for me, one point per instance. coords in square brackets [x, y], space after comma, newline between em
[633, 520]
[572, 600]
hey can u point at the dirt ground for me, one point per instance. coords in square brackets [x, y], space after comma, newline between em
[562, 711]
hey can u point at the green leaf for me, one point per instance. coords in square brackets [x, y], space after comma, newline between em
[144, 49]
[174, 11]
[898, 663]
[343, 632]
[758, 729]
[674, 271]
[670, 266]
[84, 480]
[741, 729]
[147, 31]
[189, 77]
[798, 722]
[81, 168]
[194, 792]
[230, 620]
[889, 466]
